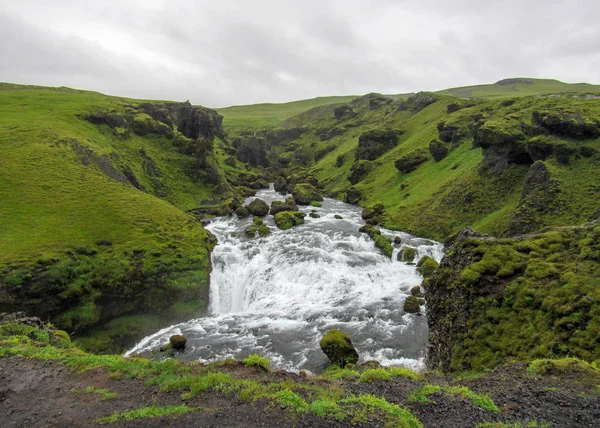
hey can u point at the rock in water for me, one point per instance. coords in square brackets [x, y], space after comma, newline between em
[426, 266]
[338, 348]
[178, 341]
[286, 219]
[258, 208]
[305, 193]
[411, 305]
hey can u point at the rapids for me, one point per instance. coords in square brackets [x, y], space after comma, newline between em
[278, 295]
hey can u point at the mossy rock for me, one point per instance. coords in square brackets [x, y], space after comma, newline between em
[242, 212]
[353, 196]
[407, 255]
[397, 240]
[287, 219]
[426, 266]
[255, 227]
[438, 150]
[264, 230]
[416, 291]
[359, 171]
[370, 230]
[411, 305]
[373, 214]
[305, 193]
[338, 348]
[178, 341]
[258, 207]
[338, 217]
[61, 337]
[421, 301]
[374, 143]
[384, 244]
[411, 161]
[314, 214]
[288, 205]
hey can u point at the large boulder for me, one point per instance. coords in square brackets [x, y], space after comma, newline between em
[305, 193]
[410, 161]
[280, 185]
[359, 171]
[258, 208]
[287, 219]
[242, 212]
[353, 196]
[338, 348]
[288, 205]
[372, 144]
[178, 341]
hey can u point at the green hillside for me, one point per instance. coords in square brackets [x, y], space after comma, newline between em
[94, 194]
[256, 116]
[520, 87]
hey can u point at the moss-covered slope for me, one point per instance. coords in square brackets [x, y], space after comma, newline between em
[495, 300]
[440, 163]
[94, 193]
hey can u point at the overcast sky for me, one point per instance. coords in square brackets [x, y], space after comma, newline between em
[219, 53]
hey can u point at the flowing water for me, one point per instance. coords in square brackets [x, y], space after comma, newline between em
[278, 295]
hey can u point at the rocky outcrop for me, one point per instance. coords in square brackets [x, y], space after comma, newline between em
[418, 101]
[374, 214]
[343, 112]
[438, 150]
[280, 185]
[503, 144]
[359, 171]
[372, 144]
[543, 147]
[575, 124]
[353, 196]
[338, 348]
[305, 193]
[538, 199]
[411, 161]
[253, 151]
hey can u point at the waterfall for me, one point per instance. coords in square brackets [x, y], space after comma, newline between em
[278, 295]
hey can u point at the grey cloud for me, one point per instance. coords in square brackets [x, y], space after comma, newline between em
[238, 52]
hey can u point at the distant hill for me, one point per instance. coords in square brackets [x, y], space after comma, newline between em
[255, 116]
[520, 87]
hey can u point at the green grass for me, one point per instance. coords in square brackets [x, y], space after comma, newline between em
[256, 116]
[382, 373]
[71, 234]
[520, 89]
[422, 394]
[257, 360]
[324, 400]
[147, 412]
[103, 393]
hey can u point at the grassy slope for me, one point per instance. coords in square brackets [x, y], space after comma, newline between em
[508, 89]
[53, 204]
[256, 116]
[430, 200]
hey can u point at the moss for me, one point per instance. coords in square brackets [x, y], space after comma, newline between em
[408, 254]
[384, 244]
[256, 360]
[338, 348]
[426, 266]
[411, 305]
[287, 219]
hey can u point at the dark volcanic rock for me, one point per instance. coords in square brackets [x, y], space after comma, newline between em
[374, 143]
[410, 161]
[343, 112]
[503, 144]
[279, 206]
[539, 198]
[580, 124]
[258, 208]
[438, 150]
[359, 171]
[280, 185]
[353, 196]
[178, 341]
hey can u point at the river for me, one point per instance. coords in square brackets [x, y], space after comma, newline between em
[278, 295]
